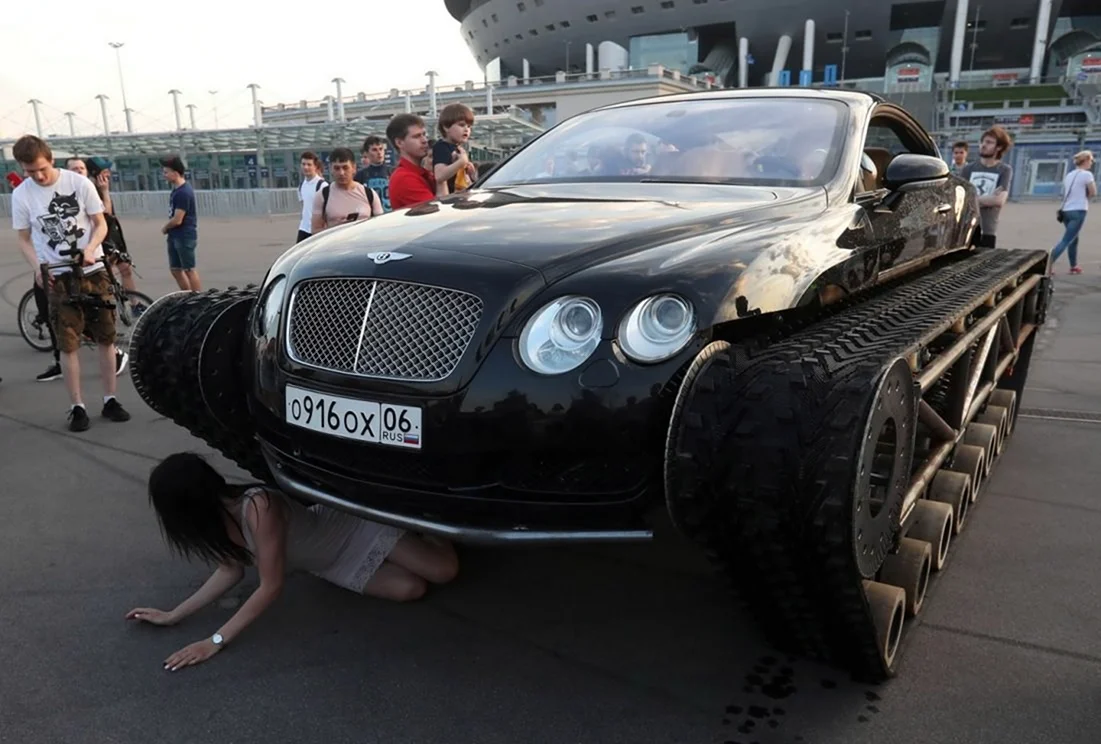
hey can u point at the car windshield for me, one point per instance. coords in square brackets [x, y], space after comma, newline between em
[765, 141]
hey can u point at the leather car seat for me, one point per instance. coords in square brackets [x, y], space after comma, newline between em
[882, 157]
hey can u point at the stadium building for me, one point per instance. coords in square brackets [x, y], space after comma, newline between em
[758, 42]
[1032, 66]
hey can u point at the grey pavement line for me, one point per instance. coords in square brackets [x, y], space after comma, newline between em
[1071, 361]
[1060, 414]
[76, 438]
[1048, 502]
[8, 283]
[1013, 642]
[588, 666]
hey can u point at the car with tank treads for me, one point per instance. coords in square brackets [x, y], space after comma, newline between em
[759, 314]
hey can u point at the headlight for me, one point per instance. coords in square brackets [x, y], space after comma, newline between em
[267, 318]
[657, 328]
[562, 335]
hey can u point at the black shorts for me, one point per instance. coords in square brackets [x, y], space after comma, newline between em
[302, 235]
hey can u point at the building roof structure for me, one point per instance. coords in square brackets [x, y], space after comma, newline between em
[268, 137]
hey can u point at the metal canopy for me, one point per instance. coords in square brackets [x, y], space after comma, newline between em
[492, 131]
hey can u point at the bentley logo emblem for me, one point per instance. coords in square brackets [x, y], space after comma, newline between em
[381, 257]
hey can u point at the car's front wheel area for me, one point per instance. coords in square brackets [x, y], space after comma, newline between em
[185, 363]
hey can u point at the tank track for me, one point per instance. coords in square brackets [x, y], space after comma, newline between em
[773, 465]
[185, 364]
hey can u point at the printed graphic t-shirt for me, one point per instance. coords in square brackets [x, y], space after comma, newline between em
[58, 216]
[988, 179]
[306, 192]
[183, 197]
[377, 177]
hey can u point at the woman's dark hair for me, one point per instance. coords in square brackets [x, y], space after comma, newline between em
[187, 493]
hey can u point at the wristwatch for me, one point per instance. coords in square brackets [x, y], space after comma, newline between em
[217, 639]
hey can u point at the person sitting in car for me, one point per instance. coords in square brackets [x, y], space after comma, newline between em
[635, 152]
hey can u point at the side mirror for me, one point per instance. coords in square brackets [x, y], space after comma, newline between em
[908, 172]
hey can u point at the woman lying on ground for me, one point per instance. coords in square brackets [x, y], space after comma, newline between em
[235, 526]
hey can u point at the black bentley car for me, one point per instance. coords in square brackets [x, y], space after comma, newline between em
[501, 364]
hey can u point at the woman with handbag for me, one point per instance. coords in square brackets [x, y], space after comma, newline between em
[1079, 187]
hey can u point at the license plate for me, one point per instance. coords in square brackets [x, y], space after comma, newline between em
[353, 418]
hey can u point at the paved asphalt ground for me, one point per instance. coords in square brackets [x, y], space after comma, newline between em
[574, 646]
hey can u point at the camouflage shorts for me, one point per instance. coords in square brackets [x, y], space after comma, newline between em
[70, 321]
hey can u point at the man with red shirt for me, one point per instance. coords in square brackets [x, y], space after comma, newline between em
[410, 183]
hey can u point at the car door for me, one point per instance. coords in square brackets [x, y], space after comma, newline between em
[913, 225]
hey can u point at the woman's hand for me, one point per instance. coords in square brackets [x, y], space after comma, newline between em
[196, 653]
[152, 616]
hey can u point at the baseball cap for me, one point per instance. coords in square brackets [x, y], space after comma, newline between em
[97, 164]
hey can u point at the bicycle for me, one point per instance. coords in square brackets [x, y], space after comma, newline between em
[129, 306]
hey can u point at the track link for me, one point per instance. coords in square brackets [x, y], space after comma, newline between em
[767, 448]
[175, 341]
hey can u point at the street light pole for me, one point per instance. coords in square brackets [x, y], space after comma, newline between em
[213, 94]
[37, 119]
[191, 114]
[176, 105]
[116, 45]
[844, 46]
[102, 97]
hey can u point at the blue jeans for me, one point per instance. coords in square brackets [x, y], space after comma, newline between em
[181, 252]
[1072, 226]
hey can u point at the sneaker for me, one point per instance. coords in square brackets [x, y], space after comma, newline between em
[1076, 270]
[114, 411]
[53, 372]
[121, 359]
[78, 419]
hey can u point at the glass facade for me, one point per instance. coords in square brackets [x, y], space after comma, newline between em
[675, 51]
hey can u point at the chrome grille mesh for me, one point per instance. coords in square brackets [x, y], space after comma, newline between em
[378, 328]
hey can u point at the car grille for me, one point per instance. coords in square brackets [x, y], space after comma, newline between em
[380, 328]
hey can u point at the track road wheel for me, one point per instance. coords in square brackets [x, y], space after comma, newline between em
[953, 489]
[909, 570]
[185, 364]
[933, 522]
[998, 417]
[970, 460]
[1007, 399]
[989, 438]
[888, 606]
[1016, 377]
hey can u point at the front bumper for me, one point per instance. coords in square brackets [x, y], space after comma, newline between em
[511, 457]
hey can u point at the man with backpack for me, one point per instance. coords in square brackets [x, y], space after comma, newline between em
[345, 199]
[312, 182]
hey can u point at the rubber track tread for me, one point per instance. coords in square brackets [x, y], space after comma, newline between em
[165, 368]
[762, 455]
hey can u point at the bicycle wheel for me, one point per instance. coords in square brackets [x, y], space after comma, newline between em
[127, 313]
[33, 328]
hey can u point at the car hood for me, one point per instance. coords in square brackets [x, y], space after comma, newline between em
[557, 229]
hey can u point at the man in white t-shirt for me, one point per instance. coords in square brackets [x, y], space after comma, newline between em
[312, 182]
[57, 210]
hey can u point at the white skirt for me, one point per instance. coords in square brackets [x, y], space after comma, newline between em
[367, 548]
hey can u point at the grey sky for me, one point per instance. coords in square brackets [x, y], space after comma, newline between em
[201, 45]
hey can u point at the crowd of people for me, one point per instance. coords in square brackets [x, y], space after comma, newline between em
[71, 239]
[992, 178]
[426, 169]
